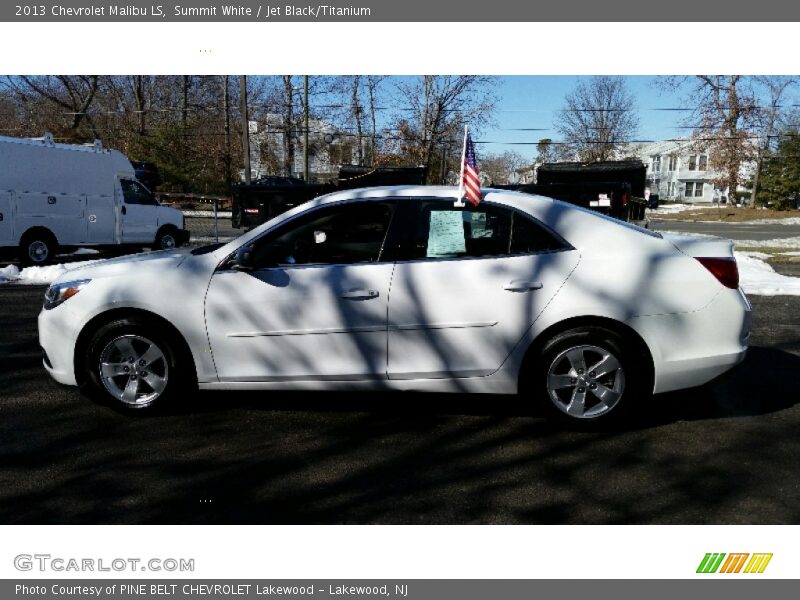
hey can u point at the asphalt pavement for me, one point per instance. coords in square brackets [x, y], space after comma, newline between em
[728, 452]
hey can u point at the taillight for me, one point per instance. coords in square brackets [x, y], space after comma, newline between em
[724, 269]
[624, 199]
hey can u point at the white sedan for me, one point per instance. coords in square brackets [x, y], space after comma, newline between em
[400, 288]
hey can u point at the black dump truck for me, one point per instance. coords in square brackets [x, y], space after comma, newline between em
[614, 188]
[261, 200]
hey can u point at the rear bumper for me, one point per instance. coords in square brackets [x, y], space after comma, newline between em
[691, 349]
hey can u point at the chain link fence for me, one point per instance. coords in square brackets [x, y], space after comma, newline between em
[207, 218]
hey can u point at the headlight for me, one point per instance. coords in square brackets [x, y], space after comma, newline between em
[61, 292]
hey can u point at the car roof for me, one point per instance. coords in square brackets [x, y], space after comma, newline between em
[435, 192]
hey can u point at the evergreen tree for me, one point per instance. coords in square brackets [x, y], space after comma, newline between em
[779, 184]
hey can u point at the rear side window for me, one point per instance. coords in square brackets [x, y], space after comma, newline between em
[444, 231]
[528, 237]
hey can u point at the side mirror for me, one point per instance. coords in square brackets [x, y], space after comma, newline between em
[243, 259]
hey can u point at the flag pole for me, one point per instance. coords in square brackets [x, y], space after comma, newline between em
[460, 200]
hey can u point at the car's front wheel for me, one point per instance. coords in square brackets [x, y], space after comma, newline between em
[132, 365]
[590, 375]
[167, 239]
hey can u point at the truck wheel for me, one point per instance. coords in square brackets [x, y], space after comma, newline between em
[588, 376]
[37, 247]
[132, 365]
[166, 240]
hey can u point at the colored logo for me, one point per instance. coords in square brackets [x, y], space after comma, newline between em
[719, 562]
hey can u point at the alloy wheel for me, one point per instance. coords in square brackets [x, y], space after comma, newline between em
[585, 382]
[133, 369]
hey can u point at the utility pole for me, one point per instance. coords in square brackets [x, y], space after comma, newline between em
[444, 164]
[245, 126]
[226, 107]
[305, 129]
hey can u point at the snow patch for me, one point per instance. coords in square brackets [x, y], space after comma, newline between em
[791, 242]
[759, 279]
[758, 255]
[207, 213]
[666, 234]
[671, 209]
[787, 221]
[38, 275]
[9, 273]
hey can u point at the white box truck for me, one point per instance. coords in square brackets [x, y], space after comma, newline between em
[61, 196]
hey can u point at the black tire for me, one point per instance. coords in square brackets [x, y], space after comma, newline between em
[236, 218]
[37, 247]
[166, 239]
[584, 397]
[155, 383]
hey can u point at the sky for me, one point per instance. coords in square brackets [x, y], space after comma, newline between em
[534, 101]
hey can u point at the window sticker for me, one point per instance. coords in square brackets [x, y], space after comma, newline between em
[446, 234]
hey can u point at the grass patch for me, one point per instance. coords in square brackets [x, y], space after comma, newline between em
[728, 214]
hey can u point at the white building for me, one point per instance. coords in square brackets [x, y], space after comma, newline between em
[676, 170]
[328, 149]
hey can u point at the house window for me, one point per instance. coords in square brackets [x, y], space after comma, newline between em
[703, 162]
[673, 162]
[656, 163]
[692, 162]
[694, 189]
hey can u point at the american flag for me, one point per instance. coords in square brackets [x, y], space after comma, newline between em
[470, 183]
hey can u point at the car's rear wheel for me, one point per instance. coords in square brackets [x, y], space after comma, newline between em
[132, 365]
[590, 375]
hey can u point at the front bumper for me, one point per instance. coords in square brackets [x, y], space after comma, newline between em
[58, 332]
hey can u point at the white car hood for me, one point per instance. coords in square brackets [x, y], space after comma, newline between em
[161, 260]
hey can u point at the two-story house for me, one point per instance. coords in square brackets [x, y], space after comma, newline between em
[676, 170]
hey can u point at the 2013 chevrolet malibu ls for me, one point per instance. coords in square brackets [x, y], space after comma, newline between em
[400, 288]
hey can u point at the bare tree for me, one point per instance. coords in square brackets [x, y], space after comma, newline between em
[500, 168]
[598, 118]
[434, 111]
[71, 95]
[723, 113]
[545, 150]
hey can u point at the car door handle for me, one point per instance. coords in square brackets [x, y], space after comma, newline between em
[522, 286]
[360, 294]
